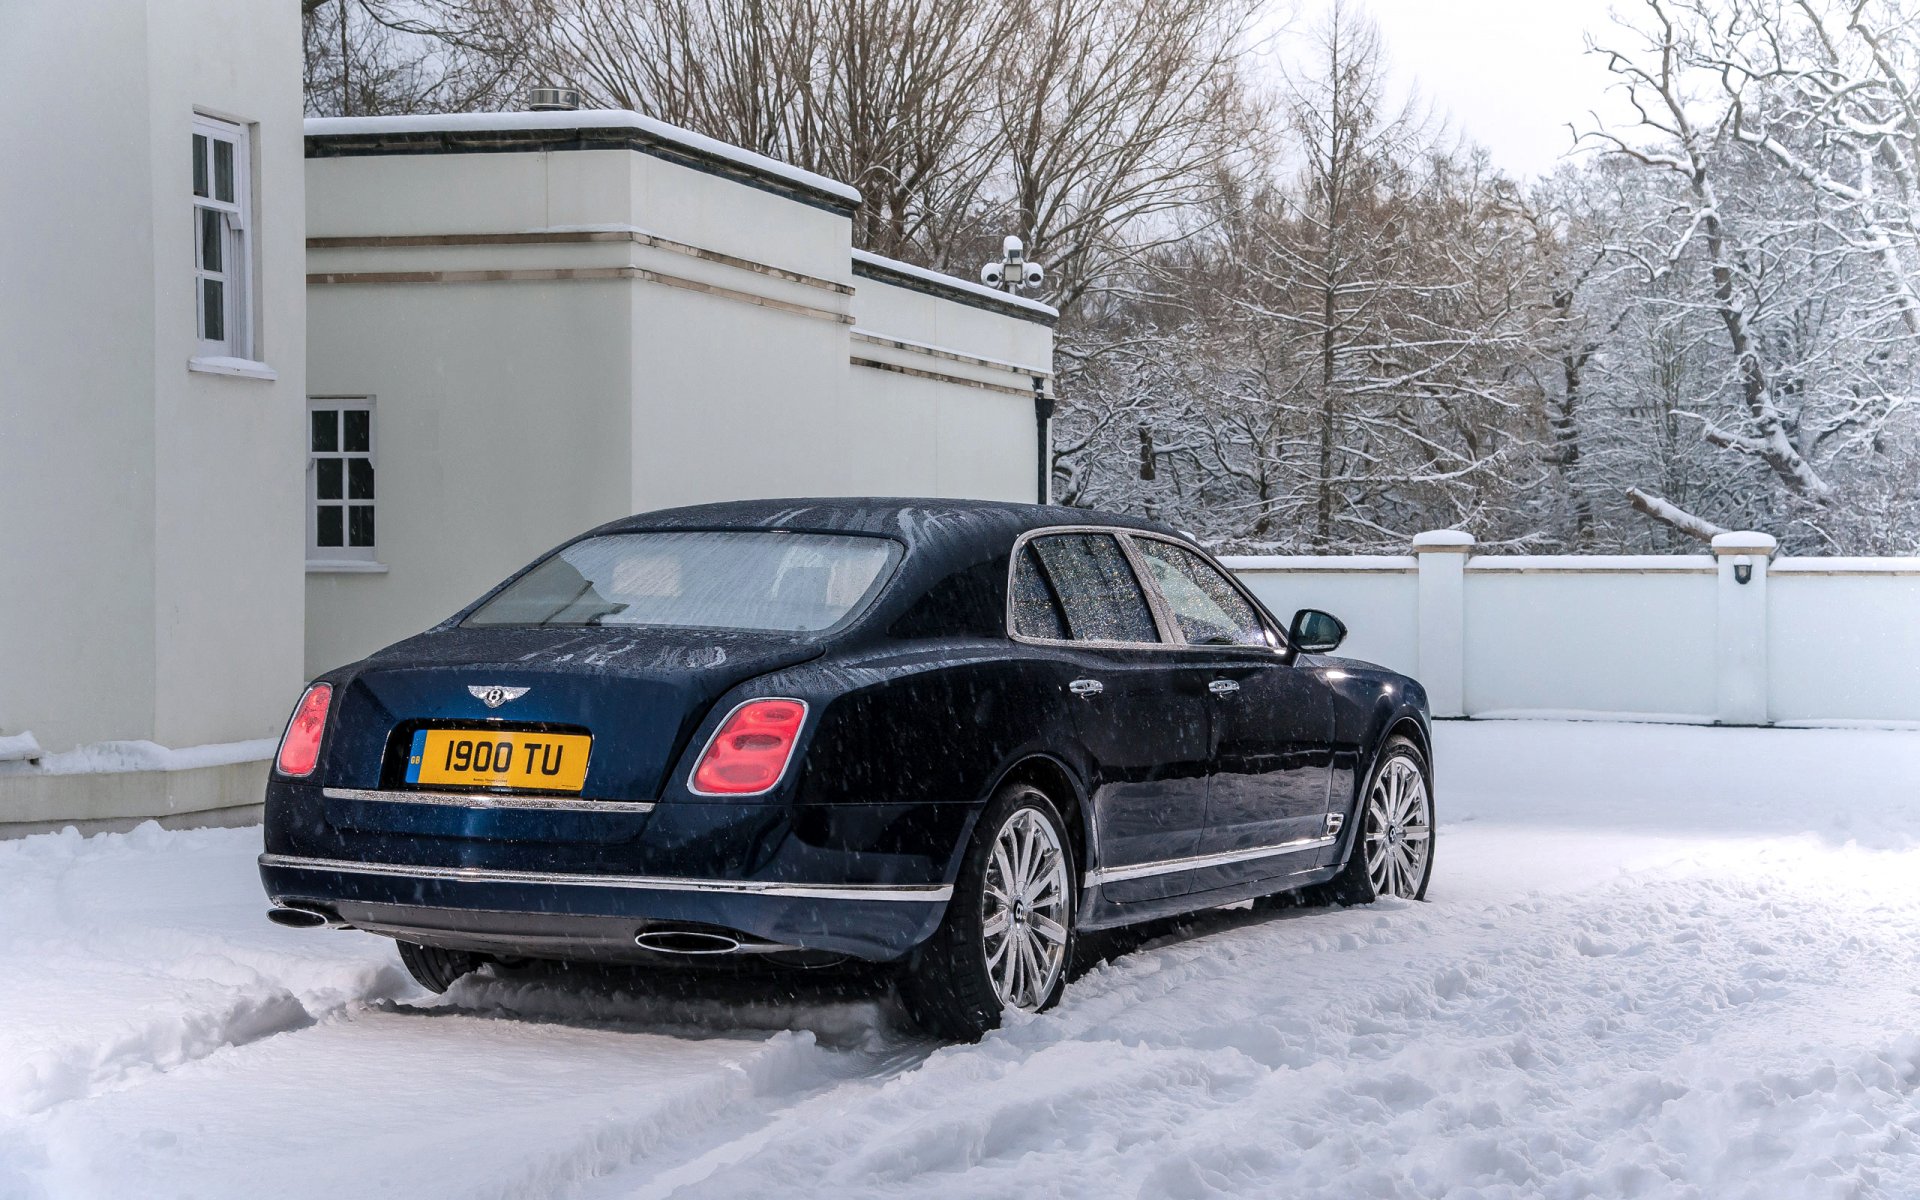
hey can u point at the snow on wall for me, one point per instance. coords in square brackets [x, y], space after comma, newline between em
[1658, 638]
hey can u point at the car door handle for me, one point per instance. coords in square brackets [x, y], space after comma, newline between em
[1223, 687]
[1086, 687]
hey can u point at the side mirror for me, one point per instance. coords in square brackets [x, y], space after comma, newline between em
[1315, 632]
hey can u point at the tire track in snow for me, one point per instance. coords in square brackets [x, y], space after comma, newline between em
[1598, 1043]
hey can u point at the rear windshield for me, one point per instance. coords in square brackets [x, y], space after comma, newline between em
[744, 579]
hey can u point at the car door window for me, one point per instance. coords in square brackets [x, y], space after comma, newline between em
[1207, 608]
[1036, 610]
[1099, 597]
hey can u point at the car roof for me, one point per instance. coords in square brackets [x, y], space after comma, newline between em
[913, 519]
[953, 576]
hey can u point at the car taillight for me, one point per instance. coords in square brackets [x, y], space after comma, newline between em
[300, 745]
[750, 752]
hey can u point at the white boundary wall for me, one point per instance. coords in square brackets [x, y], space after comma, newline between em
[1803, 641]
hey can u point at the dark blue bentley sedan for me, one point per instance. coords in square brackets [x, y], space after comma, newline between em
[948, 735]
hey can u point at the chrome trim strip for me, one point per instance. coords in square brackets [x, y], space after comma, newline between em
[490, 800]
[914, 893]
[1168, 866]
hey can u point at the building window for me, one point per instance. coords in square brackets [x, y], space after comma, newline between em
[340, 503]
[222, 248]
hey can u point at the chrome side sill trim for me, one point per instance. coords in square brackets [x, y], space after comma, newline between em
[916, 893]
[1168, 866]
[490, 800]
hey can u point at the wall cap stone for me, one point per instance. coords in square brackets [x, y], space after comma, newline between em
[1443, 541]
[1744, 541]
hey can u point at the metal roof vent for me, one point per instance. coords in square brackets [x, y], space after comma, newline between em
[553, 99]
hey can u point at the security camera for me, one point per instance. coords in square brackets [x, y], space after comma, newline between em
[1034, 275]
[1012, 248]
[993, 274]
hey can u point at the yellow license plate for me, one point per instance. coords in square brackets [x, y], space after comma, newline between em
[499, 758]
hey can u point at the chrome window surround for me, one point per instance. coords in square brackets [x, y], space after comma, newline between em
[910, 893]
[1163, 619]
[489, 800]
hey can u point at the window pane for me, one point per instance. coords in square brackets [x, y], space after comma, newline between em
[1205, 606]
[326, 430]
[1035, 612]
[359, 430]
[796, 582]
[199, 164]
[359, 478]
[213, 310]
[360, 525]
[327, 481]
[328, 533]
[211, 241]
[223, 171]
[1103, 600]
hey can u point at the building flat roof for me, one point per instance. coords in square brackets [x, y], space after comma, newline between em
[465, 132]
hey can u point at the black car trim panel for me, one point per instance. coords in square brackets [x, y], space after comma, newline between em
[913, 893]
[1195, 862]
[490, 800]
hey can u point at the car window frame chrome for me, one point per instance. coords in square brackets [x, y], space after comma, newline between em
[1147, 592]
[1171, 638]
[1276, 639]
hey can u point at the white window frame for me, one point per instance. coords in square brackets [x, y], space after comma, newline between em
[342, 558]
[234, 221]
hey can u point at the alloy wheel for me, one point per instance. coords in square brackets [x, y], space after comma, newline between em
[1024, 910]
[1399, 830]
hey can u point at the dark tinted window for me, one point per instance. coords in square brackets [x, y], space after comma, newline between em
[1208, 609]
[1101, 599]
[1035, 611]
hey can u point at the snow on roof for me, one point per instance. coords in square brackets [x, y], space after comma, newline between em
[587, 118]
[953, 282]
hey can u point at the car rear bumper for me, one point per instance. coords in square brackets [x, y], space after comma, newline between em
[569, 914]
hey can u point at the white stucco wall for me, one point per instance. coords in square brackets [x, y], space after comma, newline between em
[1669, 638]
[1590, 634]
[1377, 596]
[1843, 639]
[150, 592]
[76, 374]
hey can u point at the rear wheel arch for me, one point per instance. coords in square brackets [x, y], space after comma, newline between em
[1057, 781]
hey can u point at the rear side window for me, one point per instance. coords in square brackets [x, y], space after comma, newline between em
[1209, 611]
[754, 580]
[1036, 612]
[1099, 597]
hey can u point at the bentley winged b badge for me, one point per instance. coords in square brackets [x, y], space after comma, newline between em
[494, 696]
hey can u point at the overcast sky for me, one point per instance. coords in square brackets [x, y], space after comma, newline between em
[1509, 73]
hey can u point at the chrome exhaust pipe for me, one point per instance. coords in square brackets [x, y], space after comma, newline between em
[292, 916]
[687, 941]
[700, 940]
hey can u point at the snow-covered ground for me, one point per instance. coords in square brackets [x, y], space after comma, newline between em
[1656, 961]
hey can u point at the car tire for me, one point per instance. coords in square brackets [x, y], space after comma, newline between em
[1391, 822]
[435, 969]
[996, 950]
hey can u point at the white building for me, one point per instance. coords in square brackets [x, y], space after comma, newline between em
[552, 319]
[152, 366]
[215, 481]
